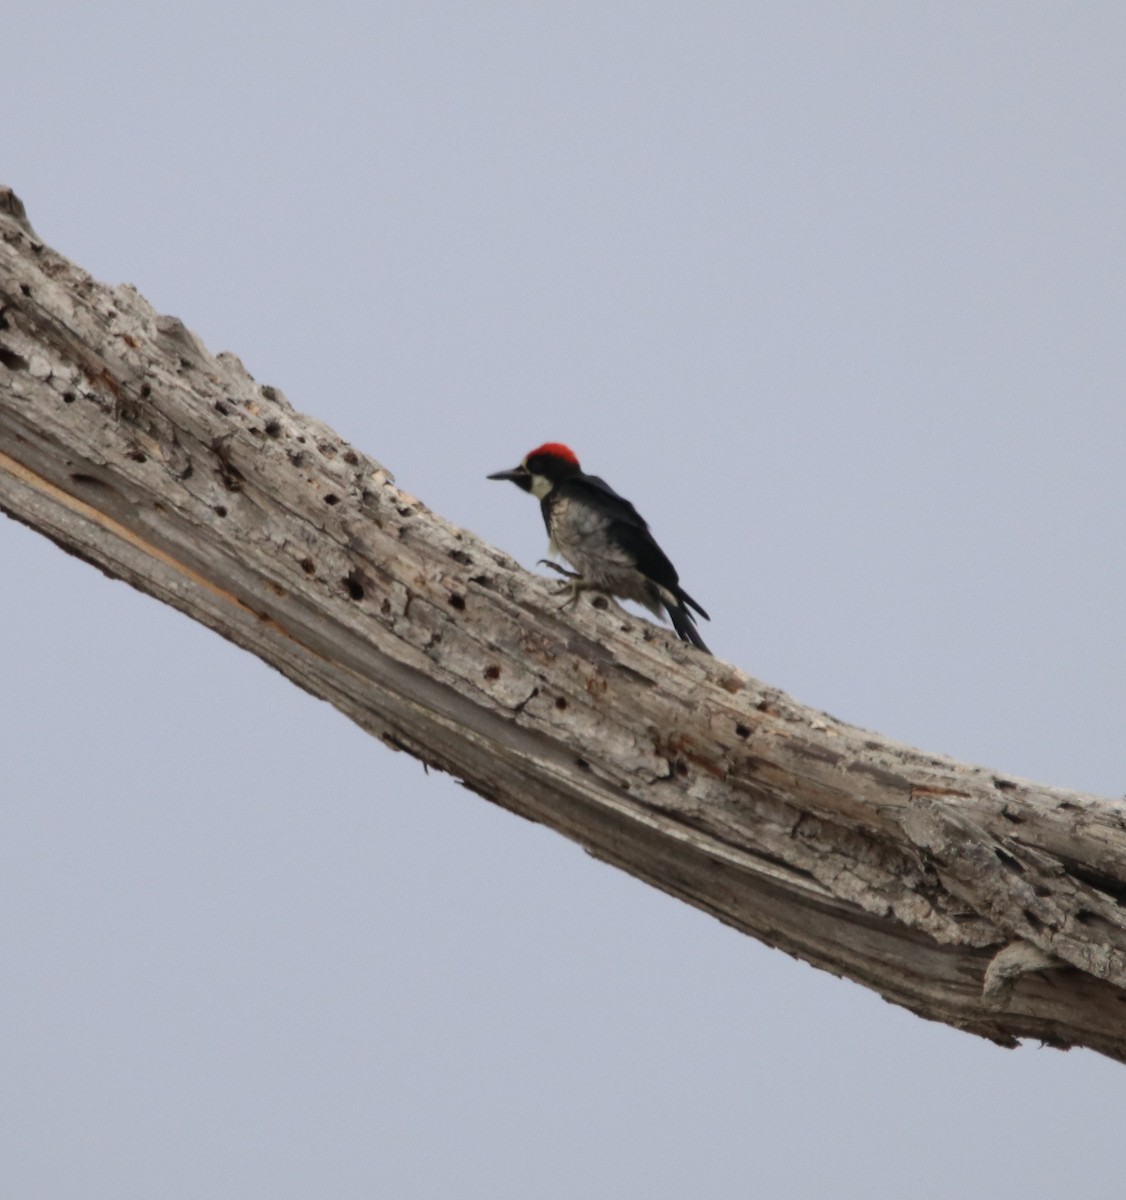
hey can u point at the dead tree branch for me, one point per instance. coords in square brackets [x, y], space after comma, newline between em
[988, 903]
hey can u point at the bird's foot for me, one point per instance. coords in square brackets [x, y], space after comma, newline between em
[574, 585]
[547, 562]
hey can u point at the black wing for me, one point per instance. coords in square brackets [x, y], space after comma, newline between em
[629, 529]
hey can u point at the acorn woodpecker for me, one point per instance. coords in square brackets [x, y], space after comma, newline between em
[604, 537]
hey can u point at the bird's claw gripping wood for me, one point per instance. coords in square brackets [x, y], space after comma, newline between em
[557, 567]
[574, 585]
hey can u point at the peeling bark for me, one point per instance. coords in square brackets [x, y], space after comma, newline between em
[988, 903]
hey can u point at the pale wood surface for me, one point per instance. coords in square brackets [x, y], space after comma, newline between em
[989, 903]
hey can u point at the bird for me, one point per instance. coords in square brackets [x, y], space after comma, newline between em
[604, 537]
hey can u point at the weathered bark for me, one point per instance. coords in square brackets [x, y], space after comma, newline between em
[990, 904]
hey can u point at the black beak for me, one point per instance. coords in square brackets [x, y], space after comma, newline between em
[518, 475]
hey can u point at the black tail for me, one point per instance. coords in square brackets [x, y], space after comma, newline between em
[685, 623]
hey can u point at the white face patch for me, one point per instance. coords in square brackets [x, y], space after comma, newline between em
[541, 485]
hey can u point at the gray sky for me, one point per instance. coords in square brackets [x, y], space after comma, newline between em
[835, 292]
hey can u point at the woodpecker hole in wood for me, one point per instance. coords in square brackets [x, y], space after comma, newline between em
[12, 360]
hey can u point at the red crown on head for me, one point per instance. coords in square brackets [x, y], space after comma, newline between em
[556, 450]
